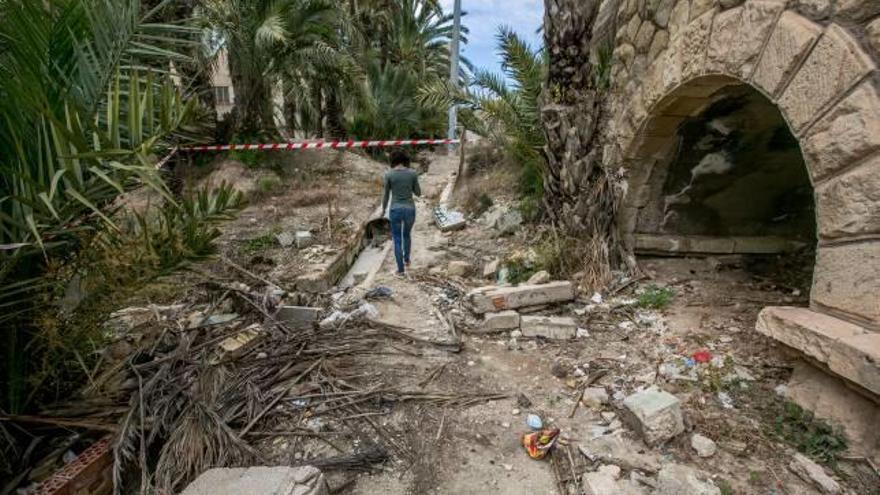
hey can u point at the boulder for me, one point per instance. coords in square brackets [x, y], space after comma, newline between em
[303, 480]
[504, 220]
[813, 473]
[548, 327]
[654, 414]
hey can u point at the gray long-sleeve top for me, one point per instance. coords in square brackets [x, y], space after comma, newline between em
[400, 185]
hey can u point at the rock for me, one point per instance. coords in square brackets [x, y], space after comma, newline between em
[539, 278]
[303, 480]
[814, 9]
[285, 239]
[359, 277]
[595, 397]
[502, 321]
[675, 479]
[490, 269]
[495, 298]
[548, 327]
[605, 482]
[304, 239]
[504, 220]
[858, 10]
[704, 446]
[610, 470]
[813, 473]
[298, 316]
[654, 414]
[459, 268]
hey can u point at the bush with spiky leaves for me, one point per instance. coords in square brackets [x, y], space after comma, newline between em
[88, 104]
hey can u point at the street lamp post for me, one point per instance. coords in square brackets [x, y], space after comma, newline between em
[453, 66]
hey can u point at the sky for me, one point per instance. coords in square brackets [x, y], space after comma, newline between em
[485, 16]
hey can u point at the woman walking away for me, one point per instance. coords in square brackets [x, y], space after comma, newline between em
[401, 183]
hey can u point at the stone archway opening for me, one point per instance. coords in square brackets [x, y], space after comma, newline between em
[722, 174]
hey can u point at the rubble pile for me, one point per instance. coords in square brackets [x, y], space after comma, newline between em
[240, 377]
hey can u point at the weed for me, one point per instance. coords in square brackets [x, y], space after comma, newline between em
[262, 242]
[312, 197]
[268, 185]
[756, 477]
[251, 159]
[809, 435]
[655, 297]
[725, 487]
[476, 202]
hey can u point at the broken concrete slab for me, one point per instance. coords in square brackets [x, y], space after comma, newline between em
[675, 479]
[489, 299]
[613, 449]
[848, 350]
[303, 480]
[501, 322]
[548, 327]
[654, 414]
[298, 316]
[813, 473]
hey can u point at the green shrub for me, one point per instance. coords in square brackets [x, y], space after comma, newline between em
[655, 297]
[809, 435]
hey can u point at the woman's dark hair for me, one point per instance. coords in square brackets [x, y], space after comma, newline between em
[400, 157]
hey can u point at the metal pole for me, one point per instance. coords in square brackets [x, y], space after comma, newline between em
[453, 66]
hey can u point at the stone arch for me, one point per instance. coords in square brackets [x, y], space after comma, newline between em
[824, 83]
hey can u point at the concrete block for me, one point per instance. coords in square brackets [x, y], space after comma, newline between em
[303, 480]
[500, 322]
[848, 350]
[304, 239]
[539, 278]
[654, 414]
[548, 327]
[501, 298]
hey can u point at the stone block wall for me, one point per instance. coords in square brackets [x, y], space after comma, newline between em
[816, 60]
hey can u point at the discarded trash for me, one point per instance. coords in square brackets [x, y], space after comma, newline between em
[448, 219]
[689, 363]
[534, 422]
[538, 444]
[380, 292]
[597, 298]
[726, 400]
[702, 356]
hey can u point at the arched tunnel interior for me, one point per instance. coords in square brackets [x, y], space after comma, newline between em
[735, 182]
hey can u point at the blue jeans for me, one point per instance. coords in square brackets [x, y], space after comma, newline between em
[402, 221]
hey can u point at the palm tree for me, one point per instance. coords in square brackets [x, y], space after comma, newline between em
[507, 105]
[266, 39]
[87, 103]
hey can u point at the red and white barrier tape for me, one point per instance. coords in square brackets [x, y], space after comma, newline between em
[314, 145]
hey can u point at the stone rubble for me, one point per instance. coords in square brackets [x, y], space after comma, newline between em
[675, 479]
[703, 446]
[548, 327]
[457, 268]
[813, 473]
[493, 298]
[303, 480]
[541, 277]
[654, 414]
[501, 321]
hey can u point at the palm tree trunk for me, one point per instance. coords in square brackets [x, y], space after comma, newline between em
[581, 194]
[253, 94]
